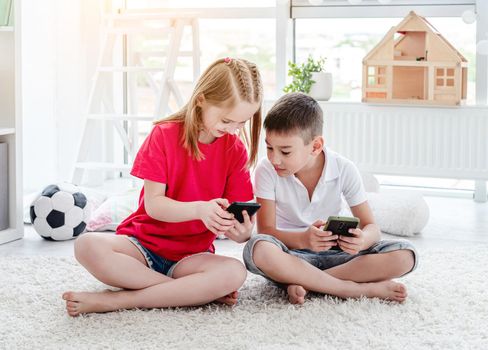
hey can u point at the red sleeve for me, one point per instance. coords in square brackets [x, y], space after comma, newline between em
[238, 187]
[151, 162]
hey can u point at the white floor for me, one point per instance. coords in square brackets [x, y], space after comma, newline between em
[453, 222]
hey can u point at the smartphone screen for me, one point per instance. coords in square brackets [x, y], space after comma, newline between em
[236, 208]
[341, 225]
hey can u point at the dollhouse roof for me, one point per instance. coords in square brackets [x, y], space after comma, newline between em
[414, 23]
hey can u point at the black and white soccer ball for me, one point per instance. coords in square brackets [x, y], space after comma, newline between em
[60, 212]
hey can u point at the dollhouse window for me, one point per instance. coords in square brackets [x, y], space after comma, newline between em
[444, 77]
[376, 76]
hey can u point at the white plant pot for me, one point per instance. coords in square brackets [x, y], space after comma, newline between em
[321, 90]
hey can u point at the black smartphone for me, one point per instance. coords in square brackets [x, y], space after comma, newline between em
[236, 208]
[340, 225]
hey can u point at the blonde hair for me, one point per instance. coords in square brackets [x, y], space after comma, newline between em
[225, 82]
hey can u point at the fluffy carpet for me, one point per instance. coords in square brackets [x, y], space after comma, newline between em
[447, 309]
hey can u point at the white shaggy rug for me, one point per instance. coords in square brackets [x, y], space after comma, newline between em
[447, 309]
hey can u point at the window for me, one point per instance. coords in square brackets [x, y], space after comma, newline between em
[249, 38]
[444, 78]
[346, 41]
[376, 76]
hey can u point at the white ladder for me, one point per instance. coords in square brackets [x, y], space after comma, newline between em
[101, 118]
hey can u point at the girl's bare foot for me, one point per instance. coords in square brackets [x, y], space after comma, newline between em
[229, 299]
[86, 302]
[296, 294]
[388, 290]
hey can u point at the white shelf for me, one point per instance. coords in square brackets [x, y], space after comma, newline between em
[7, 131]
[11, 124]
[10, 234]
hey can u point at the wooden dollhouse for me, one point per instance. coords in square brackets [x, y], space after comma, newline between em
[414, 63]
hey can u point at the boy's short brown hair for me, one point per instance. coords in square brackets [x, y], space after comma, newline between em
[295, 113]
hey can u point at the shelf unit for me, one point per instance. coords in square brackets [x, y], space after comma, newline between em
[11, 123]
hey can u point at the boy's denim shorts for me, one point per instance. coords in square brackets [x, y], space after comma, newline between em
[326, 259]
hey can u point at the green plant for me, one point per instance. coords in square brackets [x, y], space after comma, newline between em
[302, 74]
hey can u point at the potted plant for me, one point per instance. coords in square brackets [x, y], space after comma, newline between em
[310, 78]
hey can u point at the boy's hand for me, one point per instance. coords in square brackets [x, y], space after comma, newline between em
[214, 216]
[318, 240]
[241, 232]
[352, 245]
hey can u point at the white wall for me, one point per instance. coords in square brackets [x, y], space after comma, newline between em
[57, 63]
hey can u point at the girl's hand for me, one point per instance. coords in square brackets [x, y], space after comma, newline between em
[214, 216]
[352, 245]
[241, 232]
[317, 239]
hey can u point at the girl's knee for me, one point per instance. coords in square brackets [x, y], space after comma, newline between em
[86, 246]
[234, 275]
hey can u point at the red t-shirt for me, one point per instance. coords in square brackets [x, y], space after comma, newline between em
[162, 158]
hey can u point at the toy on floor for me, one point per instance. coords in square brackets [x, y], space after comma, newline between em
[60, 212]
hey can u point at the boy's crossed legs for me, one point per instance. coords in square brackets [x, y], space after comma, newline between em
[115, 261]
[352, 276]
[368, 268]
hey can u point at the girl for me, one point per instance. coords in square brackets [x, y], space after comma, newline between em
[193, 165]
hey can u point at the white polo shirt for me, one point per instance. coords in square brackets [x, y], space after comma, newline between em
[339, 183]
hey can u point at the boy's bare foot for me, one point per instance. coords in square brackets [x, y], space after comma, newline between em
[388, 290]
[86, 302]
[229, 299]
[296, 294]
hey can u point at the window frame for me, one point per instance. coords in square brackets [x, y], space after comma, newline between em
[373, 9]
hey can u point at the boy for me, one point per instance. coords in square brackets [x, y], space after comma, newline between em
[301, 184]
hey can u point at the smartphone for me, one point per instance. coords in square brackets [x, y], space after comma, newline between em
[236, 208]
[340, 225]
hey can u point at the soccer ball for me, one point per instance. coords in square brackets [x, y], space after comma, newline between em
[60, 212]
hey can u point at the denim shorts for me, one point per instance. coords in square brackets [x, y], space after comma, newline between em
[326, 259]
[158, 263]
[154, 261]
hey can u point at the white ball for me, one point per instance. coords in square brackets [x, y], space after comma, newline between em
[469, 16]
[62, 233]
[73, 217]
[60, 214]
[42, 227]
[87, 212]
[62, 201]
[482, 47]
[43, 206]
